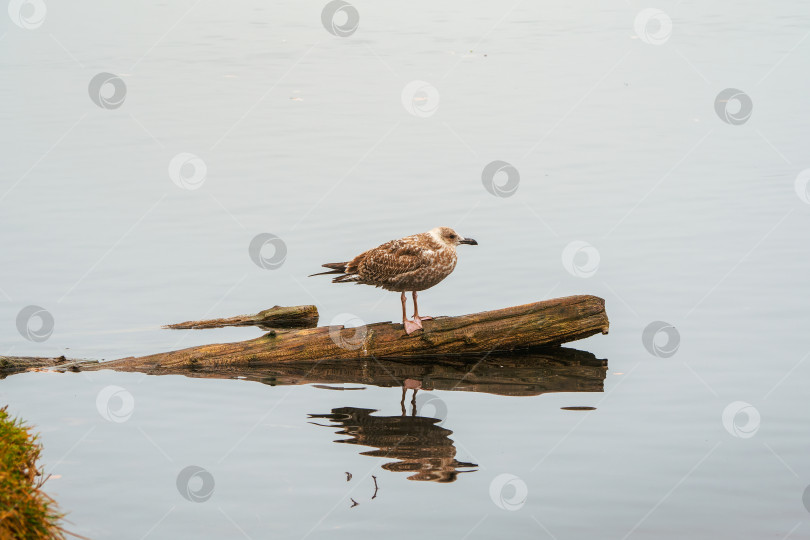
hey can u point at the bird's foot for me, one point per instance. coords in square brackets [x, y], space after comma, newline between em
[412, 326]
[422, 317]
[412, 384]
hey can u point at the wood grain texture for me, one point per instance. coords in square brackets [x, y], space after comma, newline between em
[551, 322]
[518, 328]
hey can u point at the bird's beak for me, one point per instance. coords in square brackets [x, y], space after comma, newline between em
[470, 241]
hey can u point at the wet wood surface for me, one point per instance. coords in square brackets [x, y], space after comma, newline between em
[551, 322]
[517, 328]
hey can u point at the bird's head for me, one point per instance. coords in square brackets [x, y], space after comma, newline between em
[448, 236]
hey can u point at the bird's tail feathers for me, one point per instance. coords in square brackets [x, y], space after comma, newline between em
[335, 268]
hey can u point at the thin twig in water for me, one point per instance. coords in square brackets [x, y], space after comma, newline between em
[376, 487]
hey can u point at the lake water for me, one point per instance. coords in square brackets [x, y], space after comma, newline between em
[641, 180]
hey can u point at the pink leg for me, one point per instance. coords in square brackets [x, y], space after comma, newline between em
[410, 326]
[416, 318]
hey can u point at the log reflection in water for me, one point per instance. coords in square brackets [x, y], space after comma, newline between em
[557, 369]
[420, 446]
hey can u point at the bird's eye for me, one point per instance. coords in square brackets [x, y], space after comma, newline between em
[452, 236]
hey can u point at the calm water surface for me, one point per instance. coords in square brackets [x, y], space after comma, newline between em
[695, 222]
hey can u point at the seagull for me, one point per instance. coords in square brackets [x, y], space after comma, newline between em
[413, 263]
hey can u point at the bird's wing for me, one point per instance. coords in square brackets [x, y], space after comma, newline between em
[392, 259]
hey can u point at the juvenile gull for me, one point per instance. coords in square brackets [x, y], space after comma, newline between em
[413, 263]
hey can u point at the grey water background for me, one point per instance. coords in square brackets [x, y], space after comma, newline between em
[697, 222]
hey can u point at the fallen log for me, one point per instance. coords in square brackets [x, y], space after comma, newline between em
[16, 364]
[550, 322]
[275, 317]
[526, 327]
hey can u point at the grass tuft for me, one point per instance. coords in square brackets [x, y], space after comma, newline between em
[25, 510]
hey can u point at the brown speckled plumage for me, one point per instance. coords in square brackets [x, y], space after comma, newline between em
[413, 263]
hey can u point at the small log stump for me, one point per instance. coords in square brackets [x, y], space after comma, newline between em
[275, 317]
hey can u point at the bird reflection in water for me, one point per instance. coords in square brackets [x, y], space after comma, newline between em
[410, 384]
[420, 446]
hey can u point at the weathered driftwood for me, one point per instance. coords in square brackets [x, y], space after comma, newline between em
[275, 317]
[17, 364]
[541, 324]
[550, 322]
